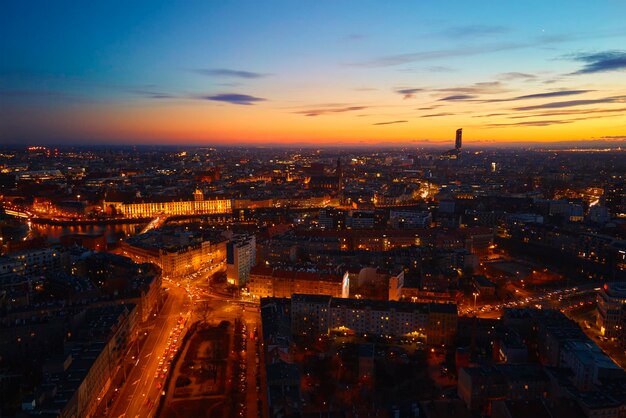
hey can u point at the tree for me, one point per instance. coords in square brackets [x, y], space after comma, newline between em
[203, 310]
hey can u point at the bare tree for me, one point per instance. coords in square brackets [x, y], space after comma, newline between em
[203, 309]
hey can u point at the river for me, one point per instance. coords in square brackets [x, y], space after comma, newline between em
[113, 232]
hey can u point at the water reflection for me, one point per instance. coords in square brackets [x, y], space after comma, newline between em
[113, 233]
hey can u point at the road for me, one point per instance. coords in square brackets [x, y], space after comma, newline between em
[563, 299]
[139, 396]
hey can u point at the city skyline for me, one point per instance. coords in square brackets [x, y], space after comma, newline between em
[327, 74]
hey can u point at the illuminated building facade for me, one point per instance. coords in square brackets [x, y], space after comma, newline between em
[610, 302]
[434, 323]
[240, 257]
[151, 209]
[282, 283]
[177, 252]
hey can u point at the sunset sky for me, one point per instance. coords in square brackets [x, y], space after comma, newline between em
[311, 72]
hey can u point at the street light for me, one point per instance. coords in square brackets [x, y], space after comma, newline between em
[475, 296]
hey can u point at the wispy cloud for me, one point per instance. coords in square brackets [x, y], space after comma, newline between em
[548, 122]
[439, 69]
[390, 122]
[227, 72]
[149, 94]
[329, 110]
[601, 62]
[468, 51]
[516, 76]
[408, 93]
[467, 31]
[399, 59]
[571, 112]
[43, 95]
[530, 123]
[546, 95]
[486, 87]
[490, 115]
[457, 98]
[234, 98]
[436, 115]
[570, 103]
[551, 94]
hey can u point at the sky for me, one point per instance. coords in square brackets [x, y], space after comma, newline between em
[312, 72]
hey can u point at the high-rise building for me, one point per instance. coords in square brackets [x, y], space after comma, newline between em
[455, 153]
[240, 258]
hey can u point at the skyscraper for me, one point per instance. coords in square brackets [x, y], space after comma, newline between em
[459, 138]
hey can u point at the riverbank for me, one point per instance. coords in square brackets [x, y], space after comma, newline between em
[113, 221]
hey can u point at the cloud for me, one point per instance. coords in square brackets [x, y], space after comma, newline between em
[546, 95]
[468, 51]
[549, 122]
[439, 69]
[329, 110]
[153, 94]
[466, 31]
[398, 59]
[486, 87]
[234, 98]
[408, 93]
[601, 62]
[458, 97]
[226, 72]
[571, 112]
[391, 122]
[570, 103]
[516, 76]
[551, 94]
[435, 115]
[47, 95]
[489, 115]
[531, 123]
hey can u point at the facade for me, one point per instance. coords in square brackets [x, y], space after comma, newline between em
[240, 258]
[410, 219]
[35, 261]
[80, 380]
[183, 261]
[282, 283]
[150, 296]
[432, 323]
[479, 386]
[152, 209]
[609, 306]
[589, 364]
[393, 280]
[310, 314]
[176, 252]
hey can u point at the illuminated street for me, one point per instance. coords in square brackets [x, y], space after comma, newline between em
[137, 398]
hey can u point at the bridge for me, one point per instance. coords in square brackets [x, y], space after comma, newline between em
[16, 211]
[155, 223]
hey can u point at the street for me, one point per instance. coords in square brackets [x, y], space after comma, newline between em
[139, 396]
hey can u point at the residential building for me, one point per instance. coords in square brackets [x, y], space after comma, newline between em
[240, 258]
